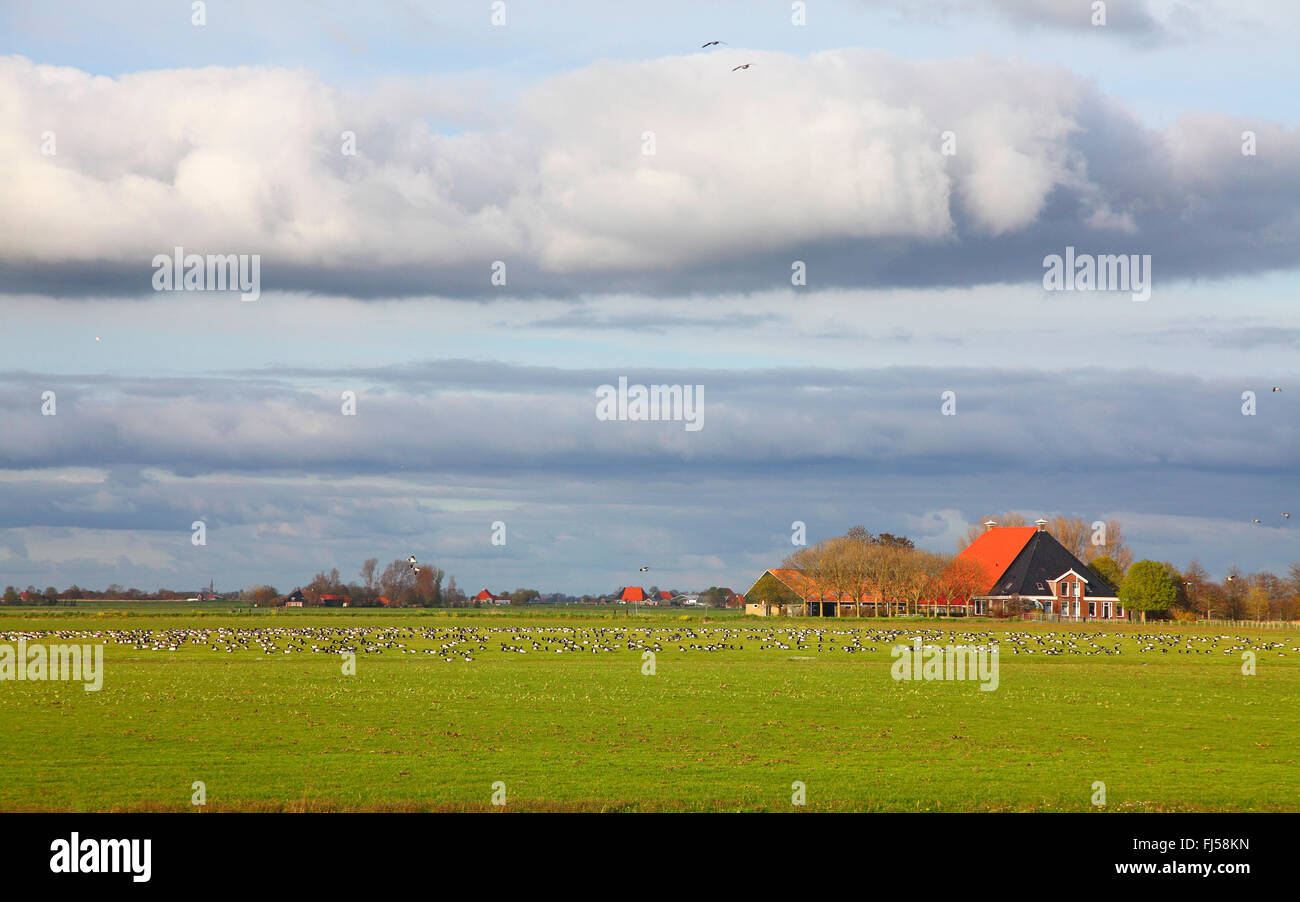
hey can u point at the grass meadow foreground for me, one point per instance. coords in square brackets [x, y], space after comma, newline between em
[442, 707]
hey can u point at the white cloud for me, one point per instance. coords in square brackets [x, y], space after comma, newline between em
[844, 144]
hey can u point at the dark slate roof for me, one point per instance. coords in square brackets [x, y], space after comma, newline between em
[1044, 558]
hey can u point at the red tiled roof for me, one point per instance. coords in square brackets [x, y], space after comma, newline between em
[665, 595]
[997, 548]
[485, 595]
[632, 593]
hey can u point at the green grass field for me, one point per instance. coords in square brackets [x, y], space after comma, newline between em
[1175, 727]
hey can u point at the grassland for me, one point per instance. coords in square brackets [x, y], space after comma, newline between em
[1163, 715]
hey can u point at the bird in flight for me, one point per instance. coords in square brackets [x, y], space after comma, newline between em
[644, 569]
[1286, 515]
[415, 567]
[712, 43]
[1256, 520]
[1277, 388]
[746, 66]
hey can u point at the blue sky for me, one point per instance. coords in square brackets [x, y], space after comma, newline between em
[523, 143]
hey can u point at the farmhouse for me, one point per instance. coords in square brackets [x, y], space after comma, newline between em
[295, 599]
[1019, 570]
[632, 595]
[486, 597]
[1027, 564]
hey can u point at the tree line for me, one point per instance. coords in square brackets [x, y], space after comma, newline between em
[879, 574]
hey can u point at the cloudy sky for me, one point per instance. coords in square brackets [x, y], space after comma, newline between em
[647, 207]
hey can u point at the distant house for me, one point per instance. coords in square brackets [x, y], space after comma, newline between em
[665, 595]
[386, 602]
[488, 597]
[631, 595]
[295, 599]
[335, 601]
[1028, 564]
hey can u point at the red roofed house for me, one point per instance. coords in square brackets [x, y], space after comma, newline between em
[1028, 563]
[485, 595]
[631, 595]
[665, 595]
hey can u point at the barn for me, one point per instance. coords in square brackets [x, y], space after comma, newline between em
[806, 597]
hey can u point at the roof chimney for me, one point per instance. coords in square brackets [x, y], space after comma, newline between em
[1041, 524]
[989, 524]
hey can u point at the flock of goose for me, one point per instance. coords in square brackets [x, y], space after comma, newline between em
[467, 643]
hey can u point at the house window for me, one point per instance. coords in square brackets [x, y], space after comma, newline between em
[1092, 609]
[1077, 587]
[1047, 606]
[1076, 609]
[1119, 610]
[1105, 609]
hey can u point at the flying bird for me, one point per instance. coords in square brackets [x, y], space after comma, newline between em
[1286, 515]
[712, 43]
[746, 66]
[1256, 520]
[644, 569]
[1277, 388]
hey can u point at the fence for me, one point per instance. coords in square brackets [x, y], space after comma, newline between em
[1253, 624]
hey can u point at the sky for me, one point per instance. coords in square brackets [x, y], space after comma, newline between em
[467, 228]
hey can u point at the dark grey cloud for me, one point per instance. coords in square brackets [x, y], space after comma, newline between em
[465, 417]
